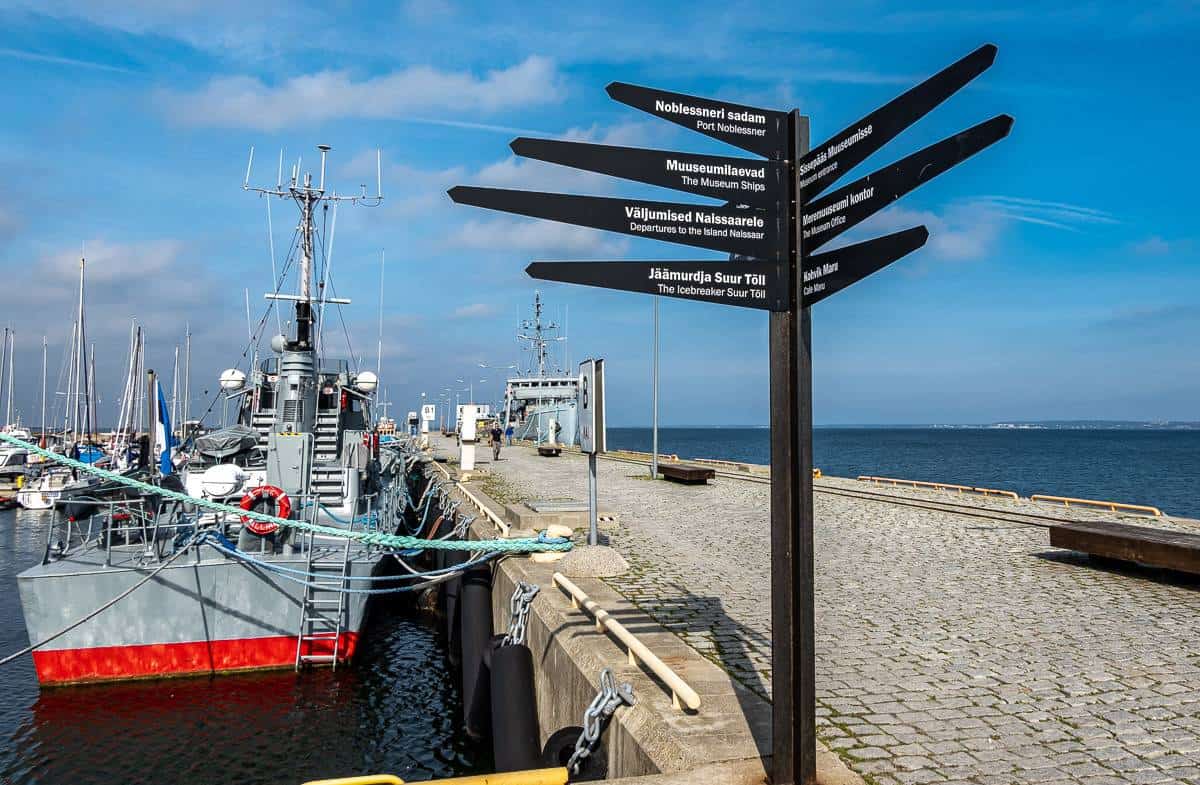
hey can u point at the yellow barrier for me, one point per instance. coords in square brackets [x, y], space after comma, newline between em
[1067, 501]
[940, 486]
[556, 776]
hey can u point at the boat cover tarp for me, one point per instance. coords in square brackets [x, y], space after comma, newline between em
[227, 441]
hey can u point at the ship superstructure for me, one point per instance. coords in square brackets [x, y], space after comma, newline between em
[540, 401]
[231, 593]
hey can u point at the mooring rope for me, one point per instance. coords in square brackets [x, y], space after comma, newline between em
[526, 545]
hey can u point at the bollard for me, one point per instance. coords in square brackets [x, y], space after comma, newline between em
[514, 710]
[475, 612]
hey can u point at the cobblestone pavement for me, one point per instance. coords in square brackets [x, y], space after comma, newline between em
[950, 649]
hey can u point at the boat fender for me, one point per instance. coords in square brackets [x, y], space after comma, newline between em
[475, 613]
[561, 745]
[283, 508]
[452, 592]
[514, 710]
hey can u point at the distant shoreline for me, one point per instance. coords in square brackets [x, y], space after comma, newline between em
[1050, 425]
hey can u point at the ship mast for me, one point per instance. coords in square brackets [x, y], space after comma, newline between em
[307, 196]
[537, 338]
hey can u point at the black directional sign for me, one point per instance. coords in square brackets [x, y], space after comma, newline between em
[754, 284]
[750, 232]
[837, 211]
[831, 159]
[771, 223]
[760, 131]
[828, 273]
[745, 181]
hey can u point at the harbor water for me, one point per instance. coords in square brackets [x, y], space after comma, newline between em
[395, 710]
[1156, 467]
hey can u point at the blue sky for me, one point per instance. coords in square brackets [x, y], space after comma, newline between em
[1060, 281]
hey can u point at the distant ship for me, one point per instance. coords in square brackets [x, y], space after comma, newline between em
[540, 401]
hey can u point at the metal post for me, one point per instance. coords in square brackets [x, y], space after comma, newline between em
[793, 672]
[654, 385]
[593, 517]
[151, 400]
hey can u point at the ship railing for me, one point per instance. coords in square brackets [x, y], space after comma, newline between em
[116, 524]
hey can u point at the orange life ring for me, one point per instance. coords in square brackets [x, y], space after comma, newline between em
[283, 508]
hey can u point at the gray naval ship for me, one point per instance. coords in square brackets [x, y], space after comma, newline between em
[228, 593]
[539, 402]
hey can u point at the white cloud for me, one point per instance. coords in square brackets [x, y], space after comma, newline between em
[1152, 246]
[546, 238]
[475, 311]
[248, 102]
[971, 229]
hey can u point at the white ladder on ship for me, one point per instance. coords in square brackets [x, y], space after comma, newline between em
[323, 609]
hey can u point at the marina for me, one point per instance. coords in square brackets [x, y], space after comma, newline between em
[349, 541]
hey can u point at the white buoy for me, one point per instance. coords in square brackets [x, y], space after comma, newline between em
[232, 379]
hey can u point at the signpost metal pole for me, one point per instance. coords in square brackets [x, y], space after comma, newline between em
[654, 435]
[792, 596]
[593, 517]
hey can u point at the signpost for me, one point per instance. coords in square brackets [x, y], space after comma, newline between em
[593, 432]
[772, 221]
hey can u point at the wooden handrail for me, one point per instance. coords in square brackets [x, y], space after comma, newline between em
[1114, 506]
[681, 694]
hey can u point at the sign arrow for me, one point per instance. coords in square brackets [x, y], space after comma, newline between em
[830, 272]
[736, 180]
[831, 159]
[760, 131]
[751, 232]
[834, 213]
[756, 284]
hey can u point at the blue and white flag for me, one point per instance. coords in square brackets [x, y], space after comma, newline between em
[163, 438]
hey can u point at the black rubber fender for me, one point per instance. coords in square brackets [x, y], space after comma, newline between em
[475, 613]
[561, 745]
[514, 710]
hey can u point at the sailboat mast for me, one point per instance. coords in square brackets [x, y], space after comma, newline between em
[379, 348]
[187, 375]
[82, 376]
[68, 410]
[175, 389]
[93, 419]
[43, 439]
[12, 358]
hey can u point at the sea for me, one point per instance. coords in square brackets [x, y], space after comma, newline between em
[1142, 466]
[395, 711]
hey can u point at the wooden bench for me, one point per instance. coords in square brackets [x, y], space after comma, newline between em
[549, 450]
[687, 474]
[1172, 550]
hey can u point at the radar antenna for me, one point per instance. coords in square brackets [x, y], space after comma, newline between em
[304, 193]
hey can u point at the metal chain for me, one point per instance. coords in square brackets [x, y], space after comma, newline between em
[596, 717]
[463, 526]
[518, 607]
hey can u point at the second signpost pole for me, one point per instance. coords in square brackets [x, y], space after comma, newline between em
[793, 654]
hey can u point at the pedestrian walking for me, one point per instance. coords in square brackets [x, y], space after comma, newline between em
[497, 438]
[508, 434]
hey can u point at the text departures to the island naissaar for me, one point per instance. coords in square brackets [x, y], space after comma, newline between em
[748, 232]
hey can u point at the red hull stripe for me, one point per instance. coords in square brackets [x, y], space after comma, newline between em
[108, 663]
